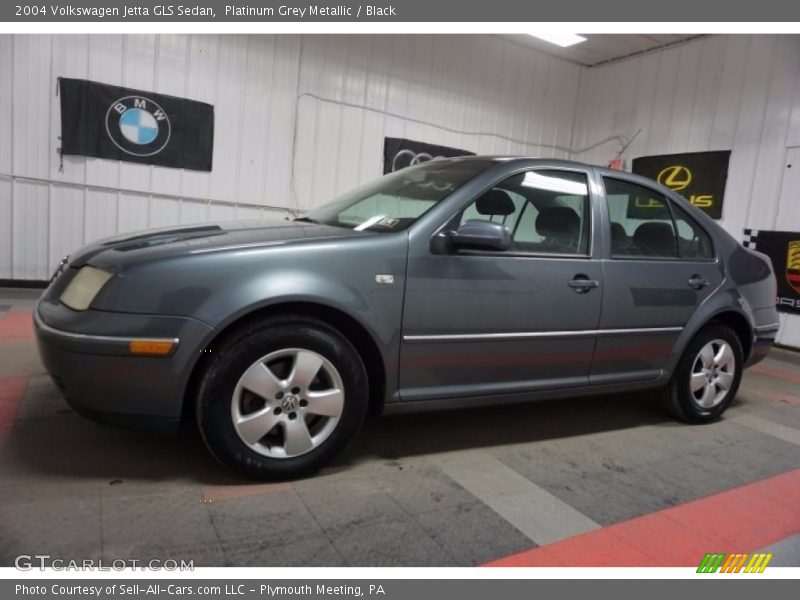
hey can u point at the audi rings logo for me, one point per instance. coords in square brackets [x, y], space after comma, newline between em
[138, 126]
[407, 158]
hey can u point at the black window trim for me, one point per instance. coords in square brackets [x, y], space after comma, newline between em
[591, 232]
[692, 221]
[670, 202]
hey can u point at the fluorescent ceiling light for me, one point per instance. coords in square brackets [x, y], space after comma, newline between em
[560, 39]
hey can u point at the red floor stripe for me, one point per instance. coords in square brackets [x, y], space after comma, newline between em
[773, 372]
[773, 395]
[215, 493]
[12, 390]
[739, 520]
[16, 326]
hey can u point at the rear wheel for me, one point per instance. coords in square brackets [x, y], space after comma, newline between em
[707, 376]
[280, 399]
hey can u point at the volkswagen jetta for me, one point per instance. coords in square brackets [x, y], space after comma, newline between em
[459, 282]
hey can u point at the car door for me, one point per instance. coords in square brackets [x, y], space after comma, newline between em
[660, 266]
[481, 322]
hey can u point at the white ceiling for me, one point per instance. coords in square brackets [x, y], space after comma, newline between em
[601, 48]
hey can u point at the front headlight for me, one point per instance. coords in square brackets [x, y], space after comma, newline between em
[84, 287]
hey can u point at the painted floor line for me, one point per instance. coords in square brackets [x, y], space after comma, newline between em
[776, 430]
[786, 552]
[541, 516]
[12, 391]
[775, 372]
[743, 519]
[16, 326]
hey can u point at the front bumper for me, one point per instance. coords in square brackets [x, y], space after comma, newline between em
[87, 355]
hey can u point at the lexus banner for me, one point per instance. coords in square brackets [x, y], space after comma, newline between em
[399, 153]
[699, 177]
[783, 249]
[109, 121]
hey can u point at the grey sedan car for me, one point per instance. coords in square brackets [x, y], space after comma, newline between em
[455, 283]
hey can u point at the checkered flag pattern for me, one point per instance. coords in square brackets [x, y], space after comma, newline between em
[750, 238]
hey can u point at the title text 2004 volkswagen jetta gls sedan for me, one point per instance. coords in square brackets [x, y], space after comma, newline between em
[458, 282]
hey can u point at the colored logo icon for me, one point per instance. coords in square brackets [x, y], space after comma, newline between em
[675, 177]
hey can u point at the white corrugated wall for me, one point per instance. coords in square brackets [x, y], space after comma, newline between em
[298, 120]
[302, 118]
[731, 92]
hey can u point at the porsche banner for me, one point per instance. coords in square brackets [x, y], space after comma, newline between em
[109, 121]
[783, 249]
[399, 153]
[699, 177]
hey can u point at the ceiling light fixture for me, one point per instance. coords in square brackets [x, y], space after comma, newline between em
[560, 39]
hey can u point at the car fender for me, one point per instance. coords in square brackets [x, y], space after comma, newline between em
[726, 299]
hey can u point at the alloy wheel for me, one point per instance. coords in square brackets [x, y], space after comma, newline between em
[713, 373]
[287, 403]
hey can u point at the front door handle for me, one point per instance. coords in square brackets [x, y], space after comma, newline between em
[582, 284]
[697, 283]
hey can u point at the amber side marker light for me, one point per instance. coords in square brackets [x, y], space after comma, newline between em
[151, 347]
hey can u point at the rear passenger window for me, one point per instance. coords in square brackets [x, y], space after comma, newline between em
[644, 224]
[546, 211]
[693, 242]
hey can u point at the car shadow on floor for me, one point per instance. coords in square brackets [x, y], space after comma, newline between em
[62, 444]
[418, 434]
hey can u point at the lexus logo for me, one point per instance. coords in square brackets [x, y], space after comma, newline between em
[676, 177]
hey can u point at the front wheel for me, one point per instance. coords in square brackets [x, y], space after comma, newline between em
[281, 398]
[707, 376]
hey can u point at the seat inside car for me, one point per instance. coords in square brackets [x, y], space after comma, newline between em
[655, 239]
[620, 244]
[560, 227]
[495, 202]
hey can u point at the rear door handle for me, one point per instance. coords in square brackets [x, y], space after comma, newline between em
[582, 284]
[697, 283]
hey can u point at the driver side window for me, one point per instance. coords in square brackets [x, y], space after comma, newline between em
[546, 211]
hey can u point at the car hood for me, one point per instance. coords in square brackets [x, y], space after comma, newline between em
[207, 237]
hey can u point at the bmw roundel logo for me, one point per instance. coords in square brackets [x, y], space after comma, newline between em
[138, 126]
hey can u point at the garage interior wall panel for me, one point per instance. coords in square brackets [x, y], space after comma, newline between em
[481, 94]
[298, 119]
[738, 93]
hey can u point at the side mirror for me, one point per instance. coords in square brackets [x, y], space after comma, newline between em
[481, 235]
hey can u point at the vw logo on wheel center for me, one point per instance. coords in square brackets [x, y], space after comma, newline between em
[138, 126]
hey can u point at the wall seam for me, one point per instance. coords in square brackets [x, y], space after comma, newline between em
[13, 154]
[760, 135]
[49, 240]
[577, 105]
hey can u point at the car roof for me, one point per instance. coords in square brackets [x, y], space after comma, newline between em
[557, 162]
[503, 158]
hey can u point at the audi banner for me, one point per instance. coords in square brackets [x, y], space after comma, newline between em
[399, 153]
[699, 177]
[783, 249]
[109, 121]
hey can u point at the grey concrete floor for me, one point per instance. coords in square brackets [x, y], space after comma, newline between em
[450, 488]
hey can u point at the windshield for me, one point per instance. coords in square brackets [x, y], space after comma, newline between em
[395, 201]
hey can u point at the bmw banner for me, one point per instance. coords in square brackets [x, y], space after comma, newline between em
[699, 177]
[783, 249]
[109, 121]
[399, 153]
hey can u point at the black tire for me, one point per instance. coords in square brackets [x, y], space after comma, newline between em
[236, 353]
[677, 397]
